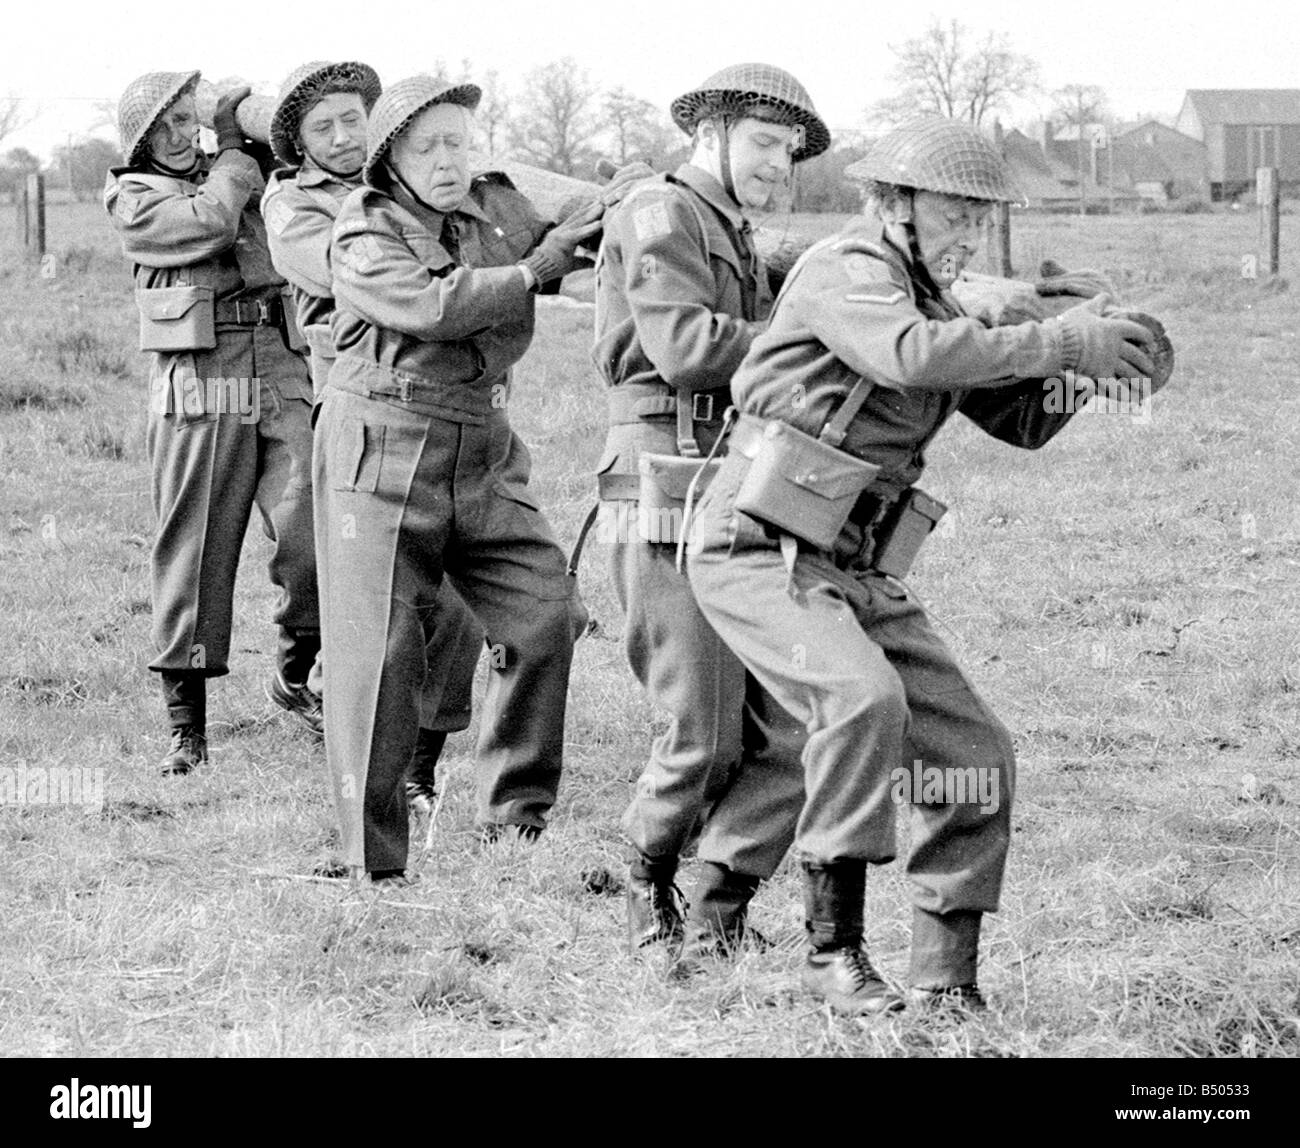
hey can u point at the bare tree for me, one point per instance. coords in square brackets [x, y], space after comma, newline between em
[1080, 105]
[636, 128]
[944, 72]
[15, 114]
[557, 125]
[493, 112]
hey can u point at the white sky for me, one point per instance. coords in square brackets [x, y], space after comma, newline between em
[1143, 53]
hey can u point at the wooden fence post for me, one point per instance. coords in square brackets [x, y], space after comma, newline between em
[1000, 237]
[34, 236]
[1267, 195]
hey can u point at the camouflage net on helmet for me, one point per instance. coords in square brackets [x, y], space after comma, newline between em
[759, 90]
[937, 154]
[400, 104]
[305, 87]
[143, 104]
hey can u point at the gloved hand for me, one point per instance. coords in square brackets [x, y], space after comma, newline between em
[998, 302]
[1101, 348]
[622, 179]
[224, 123]
[554, 256]
[1056, 280]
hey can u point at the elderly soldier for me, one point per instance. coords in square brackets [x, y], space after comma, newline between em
[681, 293]
[211, 307]
[419, 475]
[319, 130]
[814, 517]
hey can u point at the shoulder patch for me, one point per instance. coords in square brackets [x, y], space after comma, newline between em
[881, 294]
[361, 254]
[278, 214]
[128, 203]
[651, 221]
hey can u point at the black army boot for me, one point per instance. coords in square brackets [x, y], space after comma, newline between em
[288, 687]
[654, 911]
[837, 968]
[185, 692]
[421, 773]
[945, 952]
[717, 920]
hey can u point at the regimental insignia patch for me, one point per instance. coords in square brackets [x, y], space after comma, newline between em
[361, 255]
[651, 222]
[128, 203]
[278, 214]
[881, 294]
[860, 268]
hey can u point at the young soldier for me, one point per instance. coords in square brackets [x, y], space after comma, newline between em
[868, 349]
[419, 475]
[681, 294]
[318, 128]
[211, 307]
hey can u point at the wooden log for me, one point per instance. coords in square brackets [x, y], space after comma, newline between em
[253, 114]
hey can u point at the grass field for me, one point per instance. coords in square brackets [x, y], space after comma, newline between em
[1128, 599]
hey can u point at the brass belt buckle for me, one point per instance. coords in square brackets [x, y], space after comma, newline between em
[701, 407]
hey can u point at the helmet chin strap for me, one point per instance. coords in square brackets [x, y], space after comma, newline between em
[724, 159]
[919, 268]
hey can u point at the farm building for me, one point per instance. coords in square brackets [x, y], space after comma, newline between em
[1244, 129]
[1161, 163]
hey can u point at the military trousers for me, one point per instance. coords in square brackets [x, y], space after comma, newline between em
[726, 740]
[405, 499]
[228, 429]
[891, 718]
[452, 653]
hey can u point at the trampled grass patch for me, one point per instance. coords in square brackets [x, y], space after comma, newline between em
[1127, 599]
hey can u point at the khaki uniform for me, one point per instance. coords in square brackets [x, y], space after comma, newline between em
[210, 467]
[681, 294]
[300, 206]
[845, 649]
[419, 475]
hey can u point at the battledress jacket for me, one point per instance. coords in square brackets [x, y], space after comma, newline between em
[300, 207]
[855, 308]
[432, 309]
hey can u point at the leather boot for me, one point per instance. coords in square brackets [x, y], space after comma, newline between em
[717, 919]
[185, 693]
[945, 954]
[421, 773]
[837, 968]
[654, 911]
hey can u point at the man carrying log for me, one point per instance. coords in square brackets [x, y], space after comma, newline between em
[229, 414]
[681, 293]
[419, 476]
[318, 129]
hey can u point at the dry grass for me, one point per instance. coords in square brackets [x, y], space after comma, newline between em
[1127, 598]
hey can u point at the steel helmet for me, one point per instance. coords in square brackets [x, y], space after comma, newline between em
[759, 90]
[934, 153]
[400, 104]
[143, 104]
[305, 87]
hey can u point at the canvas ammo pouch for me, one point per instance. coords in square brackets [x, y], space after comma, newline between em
[666, 479]
[806, 486]
[904, 527]
[177, 319]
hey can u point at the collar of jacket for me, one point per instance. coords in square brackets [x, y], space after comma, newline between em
[429, 216]
[711, 191]
[311, 174]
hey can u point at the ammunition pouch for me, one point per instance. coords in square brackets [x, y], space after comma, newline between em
[800, 484]
[905, 526]
[177, 319]
[665, 480]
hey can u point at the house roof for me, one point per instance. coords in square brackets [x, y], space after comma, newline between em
[1246, 105]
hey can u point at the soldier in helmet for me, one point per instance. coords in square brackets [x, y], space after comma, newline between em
[866, 357]
[229, 414]
[318, 129]
[681, 295]
[420, 477]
